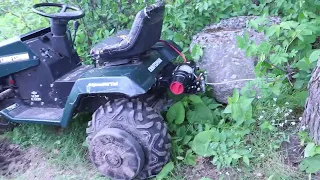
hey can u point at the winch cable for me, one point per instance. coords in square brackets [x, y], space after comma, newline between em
[241, 80]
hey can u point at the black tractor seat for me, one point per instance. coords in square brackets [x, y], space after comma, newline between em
[145, 32]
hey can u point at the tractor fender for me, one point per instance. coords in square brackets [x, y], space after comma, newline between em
[100, 85]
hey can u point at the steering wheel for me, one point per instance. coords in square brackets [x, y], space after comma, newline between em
[77, 13]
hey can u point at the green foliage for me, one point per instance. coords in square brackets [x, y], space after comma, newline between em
[196, 52]
[289, 50]
[103, 18]
[165, 171]
[209, 132]
[176, 113]
[240, 108]
[311, 161]
[310, 164]
[200, 113]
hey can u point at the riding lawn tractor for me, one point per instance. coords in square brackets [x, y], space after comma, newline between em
[43, 80]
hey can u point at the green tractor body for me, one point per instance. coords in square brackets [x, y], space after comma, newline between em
[130, 80]
[43, 81]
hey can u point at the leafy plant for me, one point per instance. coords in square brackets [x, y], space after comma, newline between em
[310, 164]
[165, 171]
[311, 160]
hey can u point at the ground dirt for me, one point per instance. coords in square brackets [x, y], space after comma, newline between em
[203, 169]
[33, 163]
[13, 160]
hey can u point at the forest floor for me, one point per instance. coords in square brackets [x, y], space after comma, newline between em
[34, 163]
[37, 163]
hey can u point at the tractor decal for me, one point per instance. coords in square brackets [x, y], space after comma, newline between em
[14, 58]
[155, 65]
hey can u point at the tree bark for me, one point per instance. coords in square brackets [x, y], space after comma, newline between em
[311, 116]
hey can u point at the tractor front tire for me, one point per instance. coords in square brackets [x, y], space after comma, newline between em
[128, 140]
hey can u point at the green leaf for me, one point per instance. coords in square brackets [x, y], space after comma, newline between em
[264, 47]
[246, 160]
[165, 171]
[241, 42]
[196, 52]
[267, 126]
[245, 102]
[176, 113]
[299, 84]
[317, 150]
[314, 56]
[200, 114]
[213, 106]
[277, 31]
[270, 31]
[180, 158]
[85, 144]
[303, 65]
[271, 177]
[236, 156]
[237, 112]
[195, 99]
[309, 151]
[201, 143]
[310, 164]
[205, 178]
[186, 139]
[181, 132]
[276, 89]
[301, 97]
[206, 100]
[235, 96]
[254, 24]
[58, 142]
[227, 110]
[289, 24]
[190, 158]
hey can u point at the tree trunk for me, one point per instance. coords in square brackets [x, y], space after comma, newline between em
[311, 116]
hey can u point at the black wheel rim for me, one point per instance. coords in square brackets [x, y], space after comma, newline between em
[116, 154]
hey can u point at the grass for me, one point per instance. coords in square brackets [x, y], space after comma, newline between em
[65, 150]
[269, 161]
[63, 146]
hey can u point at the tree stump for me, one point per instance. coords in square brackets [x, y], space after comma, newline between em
[311, 116]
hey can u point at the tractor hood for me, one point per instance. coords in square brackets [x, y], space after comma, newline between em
[15, 56]
[10, 41]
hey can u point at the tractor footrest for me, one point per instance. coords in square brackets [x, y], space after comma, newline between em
[21, 113]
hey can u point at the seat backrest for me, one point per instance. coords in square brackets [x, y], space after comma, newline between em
[144, 33]
[147, 27]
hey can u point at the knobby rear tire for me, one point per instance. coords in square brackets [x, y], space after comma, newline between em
[143, 123]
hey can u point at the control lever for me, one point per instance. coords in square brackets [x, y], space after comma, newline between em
[76, 25]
